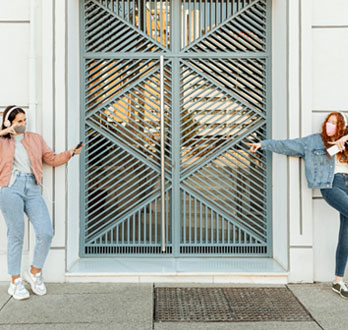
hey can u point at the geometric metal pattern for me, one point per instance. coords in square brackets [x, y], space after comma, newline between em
[225, 26]
[122, 173]
[124, 95]
[217, 109]
[126, 26]
[228, 305]
[215, 97]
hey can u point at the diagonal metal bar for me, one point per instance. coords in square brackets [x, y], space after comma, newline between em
[141, 134]
[119, 187]
[98, 34]
[210, 158]
[247, 116]
[240, 172]
[228, 176]
[244, 78]
[127, 215]
[228, 91]
[229, 205]
[93, 176]
[217, 208]
[222, 187]
[135, 29]
[255, 178]
[212, 31]
[125, 147]
[132, 85]
[121, 133]
[114, 80]
[112, 209]
[111, 213]
[96, 174]
[96, 150]
[208, 115]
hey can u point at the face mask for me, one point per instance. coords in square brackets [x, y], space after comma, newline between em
[330, 129]
[20, 129]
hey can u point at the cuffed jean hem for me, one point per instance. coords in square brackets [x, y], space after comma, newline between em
[24, 196]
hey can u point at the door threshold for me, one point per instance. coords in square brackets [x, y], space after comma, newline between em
[178, 270]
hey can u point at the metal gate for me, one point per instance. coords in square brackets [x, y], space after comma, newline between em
[171, 91]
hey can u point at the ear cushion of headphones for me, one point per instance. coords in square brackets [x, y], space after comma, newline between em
[7, 123]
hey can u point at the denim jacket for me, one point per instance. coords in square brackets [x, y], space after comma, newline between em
[319, 165]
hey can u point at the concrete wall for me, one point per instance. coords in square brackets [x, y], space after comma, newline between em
[33, 76]
[14, 85]
[299, 125]
[330, 81]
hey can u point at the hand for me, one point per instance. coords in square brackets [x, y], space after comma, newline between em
[340, 143]
[254, 146]
[76, 151]
[9, 130]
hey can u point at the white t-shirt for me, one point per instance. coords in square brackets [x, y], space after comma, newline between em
[21, 161]
[340, 167]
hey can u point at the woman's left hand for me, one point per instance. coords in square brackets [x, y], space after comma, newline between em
[340, 143]
[76, 151]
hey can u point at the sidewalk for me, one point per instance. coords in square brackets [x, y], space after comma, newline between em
[130, 306]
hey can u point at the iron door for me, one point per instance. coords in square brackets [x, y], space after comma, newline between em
[201, 69]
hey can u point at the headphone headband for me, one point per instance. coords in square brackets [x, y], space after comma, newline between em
[7, 123]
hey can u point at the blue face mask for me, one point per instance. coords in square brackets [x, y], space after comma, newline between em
[20, 129]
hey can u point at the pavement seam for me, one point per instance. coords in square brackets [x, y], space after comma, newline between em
[153, 306]
[5, 303]
[45, 323]
[300, 302]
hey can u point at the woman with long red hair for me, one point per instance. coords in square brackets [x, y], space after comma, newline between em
[326, 163]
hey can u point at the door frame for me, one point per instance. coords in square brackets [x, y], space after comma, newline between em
[279, 83]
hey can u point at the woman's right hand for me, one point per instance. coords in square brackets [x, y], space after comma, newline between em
[254, 146]
[8, 130]
[340, 143]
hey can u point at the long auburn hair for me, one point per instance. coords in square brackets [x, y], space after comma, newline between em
[341, 130]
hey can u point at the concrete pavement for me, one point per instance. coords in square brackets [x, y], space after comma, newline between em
[130, 306]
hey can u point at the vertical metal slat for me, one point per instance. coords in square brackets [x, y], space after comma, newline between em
[162, 155]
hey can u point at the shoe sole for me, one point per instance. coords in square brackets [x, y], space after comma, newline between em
[31, 286]
[19, 298]
[338, 292]
[22, 298]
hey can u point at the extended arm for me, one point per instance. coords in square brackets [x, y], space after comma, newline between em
[290, 147]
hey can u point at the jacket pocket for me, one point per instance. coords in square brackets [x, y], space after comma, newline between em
[319, 159]
[319, 152]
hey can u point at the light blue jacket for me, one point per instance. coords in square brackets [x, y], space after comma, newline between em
[319, 166]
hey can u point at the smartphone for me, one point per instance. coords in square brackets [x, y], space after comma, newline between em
[333, 150]
[78, 146]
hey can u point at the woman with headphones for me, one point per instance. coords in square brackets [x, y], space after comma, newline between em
[21, 157]
[326, 162]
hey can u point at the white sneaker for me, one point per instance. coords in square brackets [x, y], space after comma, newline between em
[35, 281]
[17, 290]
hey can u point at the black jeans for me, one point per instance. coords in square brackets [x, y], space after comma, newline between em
[337, 197]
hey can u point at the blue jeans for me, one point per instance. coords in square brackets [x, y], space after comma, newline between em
[337, 197]
[25, 196]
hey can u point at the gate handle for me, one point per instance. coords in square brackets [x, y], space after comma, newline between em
[163, 207]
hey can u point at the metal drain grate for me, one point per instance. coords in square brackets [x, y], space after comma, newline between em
[227, 305]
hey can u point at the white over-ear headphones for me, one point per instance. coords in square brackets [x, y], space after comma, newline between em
[7, 123]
